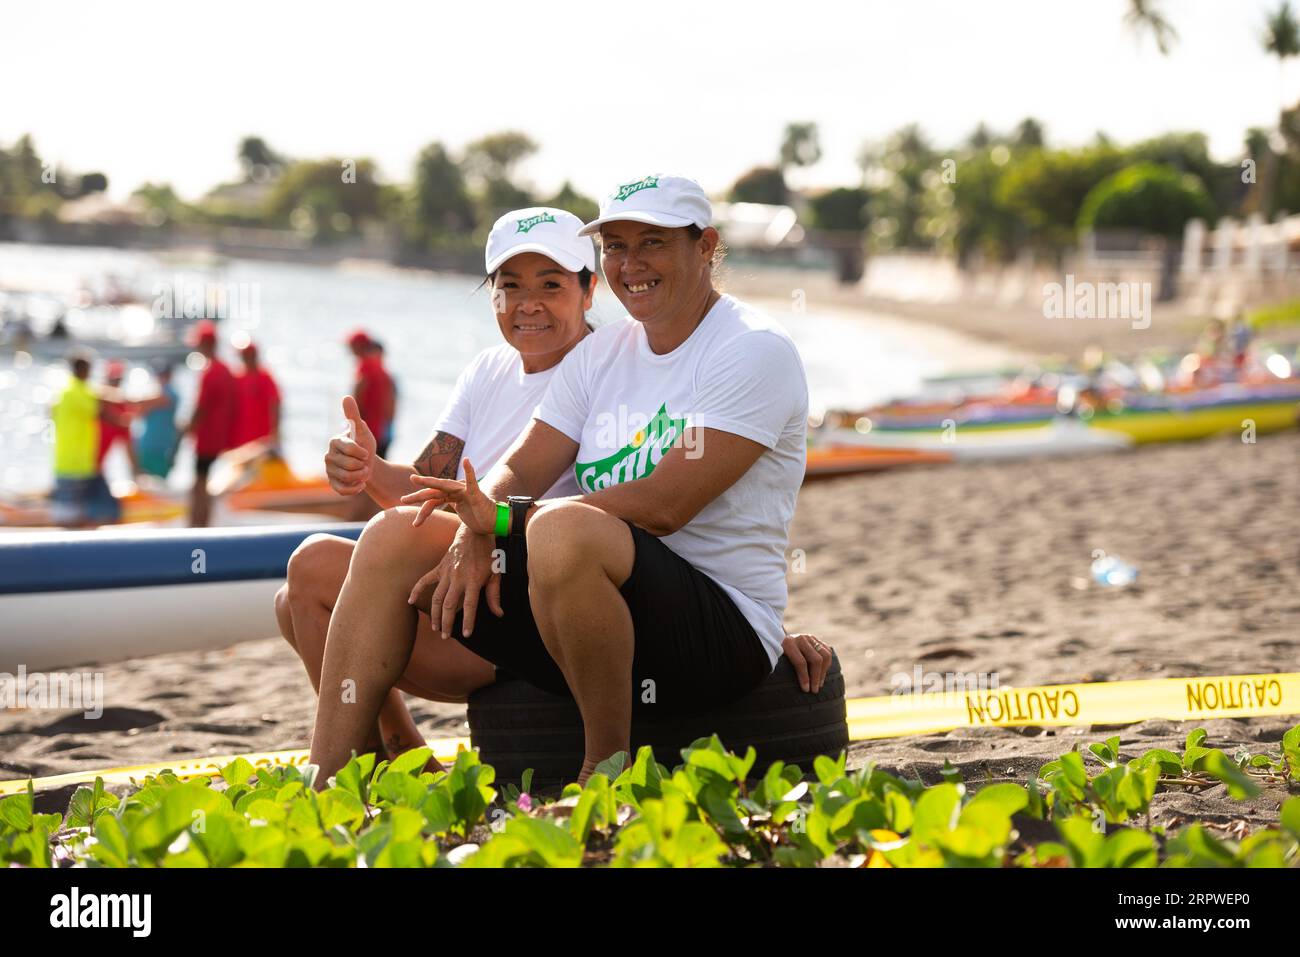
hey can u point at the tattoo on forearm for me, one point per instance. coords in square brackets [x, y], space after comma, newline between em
[441, 457]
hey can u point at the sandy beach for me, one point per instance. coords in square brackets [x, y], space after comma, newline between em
[981, 568]
[975, 569]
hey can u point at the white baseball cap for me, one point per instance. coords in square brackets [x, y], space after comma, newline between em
[554, 233]
[672, 201]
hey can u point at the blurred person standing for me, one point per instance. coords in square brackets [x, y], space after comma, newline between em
[81, 496]
[213, 420]
[387, 438]
[155, 446]
[115, 416]
[373, 389]
[258, 401]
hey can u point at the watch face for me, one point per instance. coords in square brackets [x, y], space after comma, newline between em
[520, 499]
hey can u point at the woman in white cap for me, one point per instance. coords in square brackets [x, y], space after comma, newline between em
[542, 276]
[662, 584]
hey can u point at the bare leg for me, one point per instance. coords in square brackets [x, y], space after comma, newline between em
[438, 670]
[200, 505]
[372, 632]
[578, 556]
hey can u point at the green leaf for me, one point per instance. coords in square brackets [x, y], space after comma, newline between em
[1240, 786]
[110, 847]
[238, 771]
[217, 841]
[1084, 842]
[712, 761]
[1107, 753]
[613, 765]
[1073, 770]
[411, 762]
[354, 776]
[554, 846]
[898, 812]
[1034, 798]
[1291, 752]
[16, 811]
[1167, 762]
[265, 810]
[1200, 849]
[1290, 816]
[340, 807]
[828, 771]
[935, 812]
[861, 814]
[1008, 798]
[31, 848]
[1193, 753]
[81, 808]
[1129, 848]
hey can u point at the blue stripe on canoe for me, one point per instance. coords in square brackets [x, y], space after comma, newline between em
[43, 562]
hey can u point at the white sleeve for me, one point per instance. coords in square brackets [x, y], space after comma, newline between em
[752, 387]
[565, 403]
[455, 417]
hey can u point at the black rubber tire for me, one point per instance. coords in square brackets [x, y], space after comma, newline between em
[517, 726]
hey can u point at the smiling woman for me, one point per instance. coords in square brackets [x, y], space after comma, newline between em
[663, 585]
[541, 273]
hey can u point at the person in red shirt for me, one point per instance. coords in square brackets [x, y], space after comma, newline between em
[258, 413]
[114, 416]
[213, 421]
[374, 392]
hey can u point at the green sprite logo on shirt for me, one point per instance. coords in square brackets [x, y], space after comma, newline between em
[635, 460]
[627, 189]
[523, 225]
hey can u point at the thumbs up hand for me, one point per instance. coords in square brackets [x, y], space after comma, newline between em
[349, 463]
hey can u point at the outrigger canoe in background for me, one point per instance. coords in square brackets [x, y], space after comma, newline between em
[68, 598]
[260, 487]
[1139, 420]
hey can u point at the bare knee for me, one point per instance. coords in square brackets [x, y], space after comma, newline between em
[283, 616]
[318, 565]
[391, 544]
[568, 537]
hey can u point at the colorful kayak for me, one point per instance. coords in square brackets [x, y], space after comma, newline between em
[848, 458]
[1058, 437]
[1181, 425]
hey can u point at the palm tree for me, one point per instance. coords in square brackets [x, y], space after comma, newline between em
[800, 146]
[1282, 39]
[1144, 16]
[1282, 33]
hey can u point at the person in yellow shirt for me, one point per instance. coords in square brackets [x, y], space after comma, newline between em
[81, 496]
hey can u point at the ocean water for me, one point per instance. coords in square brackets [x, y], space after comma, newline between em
[431, 326]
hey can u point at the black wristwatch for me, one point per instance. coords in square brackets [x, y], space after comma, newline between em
[519, 506]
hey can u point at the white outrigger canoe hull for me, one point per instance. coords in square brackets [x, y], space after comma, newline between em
[74, 598]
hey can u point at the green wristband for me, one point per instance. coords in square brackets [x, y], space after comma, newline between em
[503, 520]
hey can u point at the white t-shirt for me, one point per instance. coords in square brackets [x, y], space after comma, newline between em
[492, 402]
[738, 372]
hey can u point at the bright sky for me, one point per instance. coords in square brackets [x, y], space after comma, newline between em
[163, 91]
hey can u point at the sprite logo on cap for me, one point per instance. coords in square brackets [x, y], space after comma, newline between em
[523, 225]
[627, 189]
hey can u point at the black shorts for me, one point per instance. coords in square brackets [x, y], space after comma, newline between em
[692, 642]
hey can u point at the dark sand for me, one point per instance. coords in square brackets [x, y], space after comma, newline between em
[978, 568]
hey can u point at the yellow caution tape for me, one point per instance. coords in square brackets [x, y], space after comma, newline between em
[210, 767]
[890, 716]
[1110, 702]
